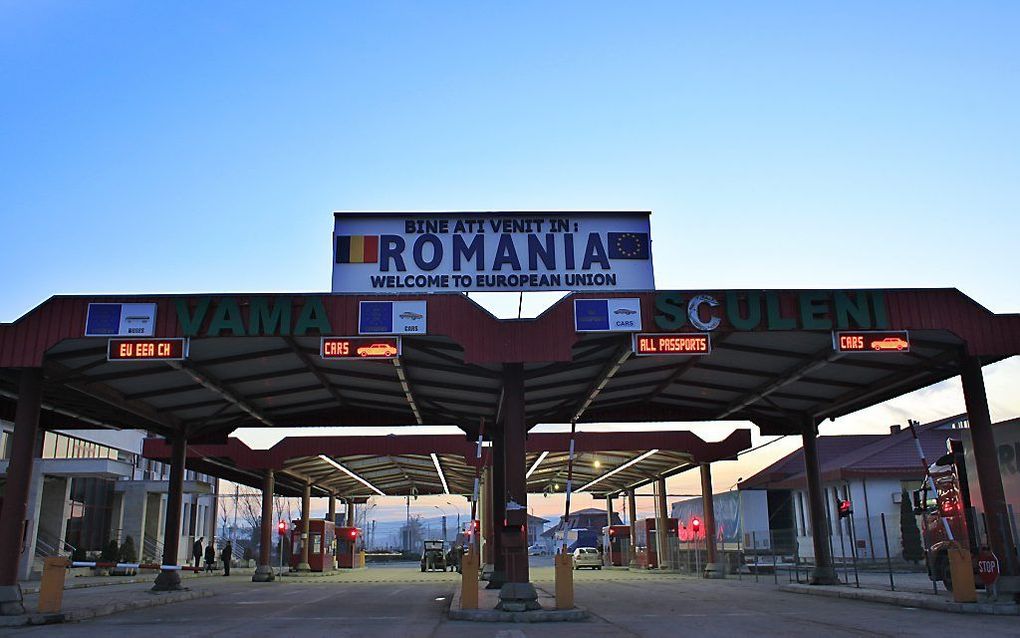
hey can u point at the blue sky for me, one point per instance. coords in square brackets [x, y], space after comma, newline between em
[180, 147]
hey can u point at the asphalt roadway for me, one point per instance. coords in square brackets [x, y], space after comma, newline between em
[400, 601]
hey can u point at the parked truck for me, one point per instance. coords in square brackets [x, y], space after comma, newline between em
[949, 502]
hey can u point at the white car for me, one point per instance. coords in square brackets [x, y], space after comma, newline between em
[536, 550]
[587, 557]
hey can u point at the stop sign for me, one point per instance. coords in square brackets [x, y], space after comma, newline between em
[987, 567]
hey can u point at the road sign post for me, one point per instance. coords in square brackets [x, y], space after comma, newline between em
[988, 571]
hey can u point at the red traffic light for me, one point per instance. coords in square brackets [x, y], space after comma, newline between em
[696, 524]
[354, 533]
[281, 528]
[845, 508]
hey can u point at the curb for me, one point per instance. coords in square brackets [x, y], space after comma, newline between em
[905, 599]
[146, 577]
[103, 610]
[497, 615]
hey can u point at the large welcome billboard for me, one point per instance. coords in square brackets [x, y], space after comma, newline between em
[475, 251]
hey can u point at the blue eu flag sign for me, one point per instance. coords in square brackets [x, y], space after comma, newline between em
[628, 246]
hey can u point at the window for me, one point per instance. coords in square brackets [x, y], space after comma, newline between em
[801, 525]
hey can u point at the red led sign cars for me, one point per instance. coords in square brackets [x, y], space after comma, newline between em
[871, 341]
[672, 344]
[147, 350]
[359, 347]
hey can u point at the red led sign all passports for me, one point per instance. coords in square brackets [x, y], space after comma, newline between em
[360, 347]
[672, 344]
[870, 341]
[147, 350]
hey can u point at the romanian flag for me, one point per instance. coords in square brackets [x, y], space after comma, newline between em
[357, 249]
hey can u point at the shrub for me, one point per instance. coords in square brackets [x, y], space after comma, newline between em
[128, 554]
[111, 553]
[913, 550]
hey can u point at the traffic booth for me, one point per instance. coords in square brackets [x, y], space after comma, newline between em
[348, 547]
[616, 545]
[321, 544]
[646, 531]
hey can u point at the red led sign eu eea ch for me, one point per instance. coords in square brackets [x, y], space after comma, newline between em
[174, 349]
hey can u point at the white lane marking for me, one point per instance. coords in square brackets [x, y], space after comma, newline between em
[385, 618]
[510, 633]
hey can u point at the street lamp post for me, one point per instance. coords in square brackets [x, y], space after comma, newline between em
[443, 511]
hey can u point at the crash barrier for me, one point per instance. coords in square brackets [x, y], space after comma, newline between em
[112, 565]
[962, 575]
[564, 566]
[51, 589]
[469, 581]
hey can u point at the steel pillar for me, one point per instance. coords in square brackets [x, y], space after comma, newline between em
[306, 517]
[823, 573]
[517, 593]
[170, 579]
[351, 513]
[484, 514]
[632, 515]
[264, 571]
[609, 510]
[713, 568]
[986, 461]
[19, 477]
[331, 508]
[661, 525]
[498, 508]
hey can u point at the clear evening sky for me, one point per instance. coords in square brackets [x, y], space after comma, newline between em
[201, 147]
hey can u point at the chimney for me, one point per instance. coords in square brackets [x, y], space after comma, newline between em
[893, 429]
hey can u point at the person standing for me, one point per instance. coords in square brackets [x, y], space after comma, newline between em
[226, 555]
[210, 557]
[196, 552]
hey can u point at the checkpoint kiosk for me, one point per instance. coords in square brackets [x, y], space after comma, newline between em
[616, 545]
[648, 558]
[348, 548]
[321, 545]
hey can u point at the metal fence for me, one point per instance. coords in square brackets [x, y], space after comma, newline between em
[875, 553]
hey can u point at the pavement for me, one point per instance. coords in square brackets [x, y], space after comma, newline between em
[400, 601]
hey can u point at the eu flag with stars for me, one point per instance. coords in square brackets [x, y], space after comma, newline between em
[628, 246]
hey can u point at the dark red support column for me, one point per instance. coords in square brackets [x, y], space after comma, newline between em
[498, 509]
[170, 579]
[823, 573]
[713, 569]
[19, 477]
[987, 462]
[306, 537]
[632, 515]
[485, 519]
[264, 571]
[517, 594]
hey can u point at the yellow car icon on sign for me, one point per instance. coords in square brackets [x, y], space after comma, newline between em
[377, 350]
[890, 343]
